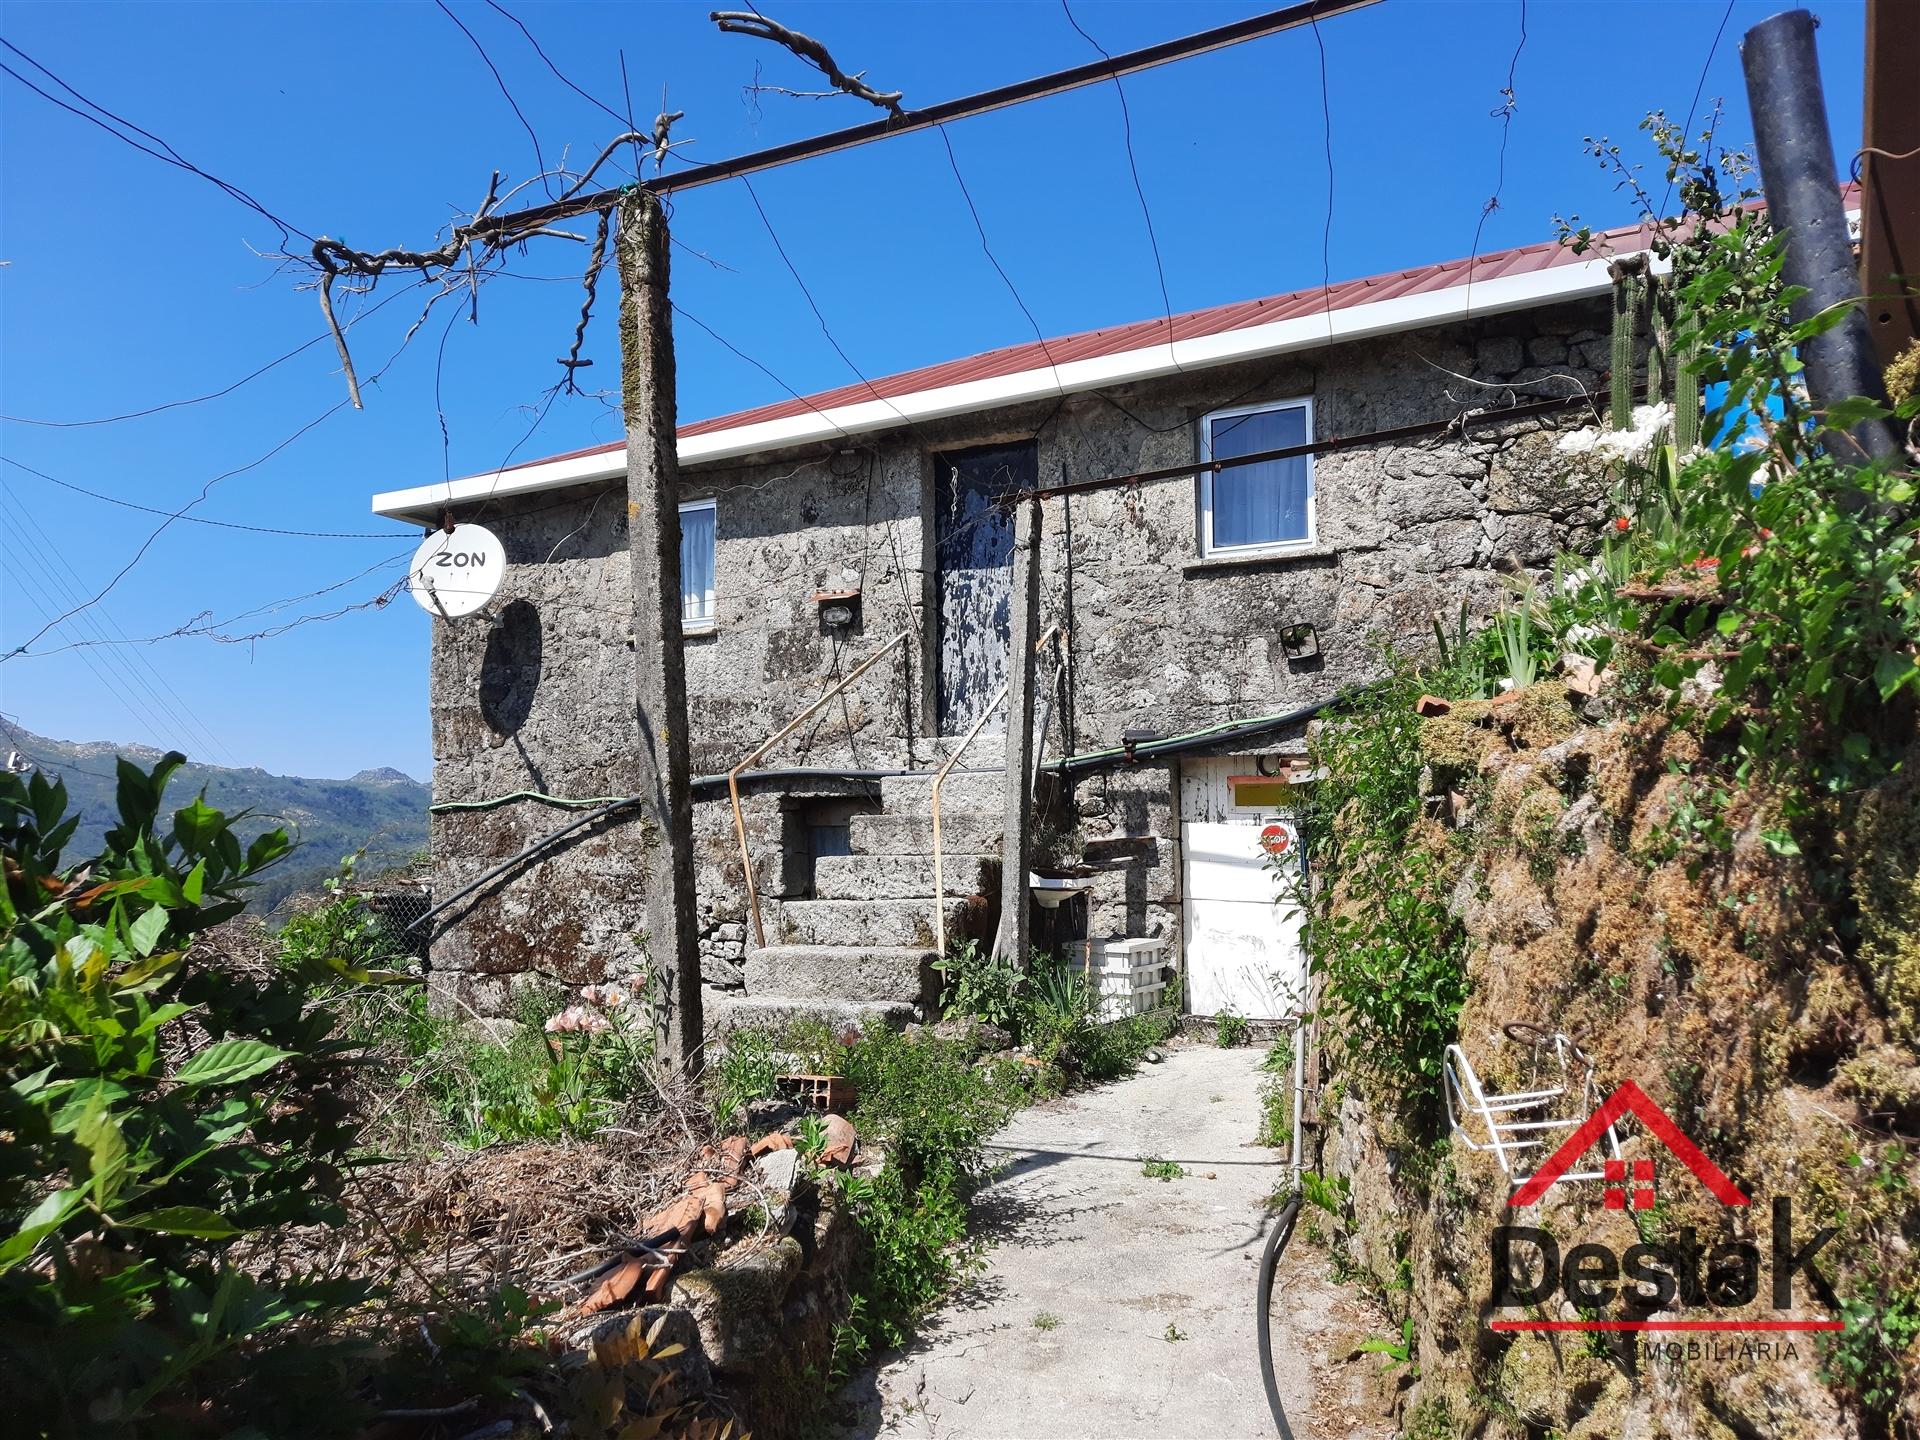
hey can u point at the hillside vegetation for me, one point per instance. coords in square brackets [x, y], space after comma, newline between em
[381, 810]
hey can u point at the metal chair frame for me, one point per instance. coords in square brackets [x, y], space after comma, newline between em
[1518, 1121]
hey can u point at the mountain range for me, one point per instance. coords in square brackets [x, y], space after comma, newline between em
[382, 811]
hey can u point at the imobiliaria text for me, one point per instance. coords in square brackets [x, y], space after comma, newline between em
[1715, 1288]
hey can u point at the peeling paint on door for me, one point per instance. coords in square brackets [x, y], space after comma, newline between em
[973, 549]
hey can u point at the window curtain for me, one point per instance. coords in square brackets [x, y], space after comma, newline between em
[1263, 504]
[696, 563]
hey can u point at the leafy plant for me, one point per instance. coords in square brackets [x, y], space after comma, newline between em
[812, 1140]
[160, 1103]
[916, 1248]
[1865, 1357]
[1155, 1169]
[744, 1071]
[1046, 1320]
[1514, 629]
[1398, 1351]
[1390, 953]
[1333, 1195]
[1276, 1095]
[1231, 1030]
[978, 987]
[1173, 1334]
[343, 930]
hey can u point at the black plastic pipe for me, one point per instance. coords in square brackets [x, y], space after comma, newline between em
[1263, 1315]
[1803, 198]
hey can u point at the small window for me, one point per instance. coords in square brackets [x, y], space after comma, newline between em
[696, 565]
[1249, 509]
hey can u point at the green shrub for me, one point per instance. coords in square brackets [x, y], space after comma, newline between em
[1865, 1358]
[745, 1071]
[978, 987]
[921, 1097]
[1230, 1030]
[916, 1249]
[160, 1102]
[1276, 1095]
[522, 1082]
[343, 929]
[1390, 954]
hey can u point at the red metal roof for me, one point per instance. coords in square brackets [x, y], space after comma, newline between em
[1218, 319]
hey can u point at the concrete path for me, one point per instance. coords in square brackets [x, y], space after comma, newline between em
[1117, 1305]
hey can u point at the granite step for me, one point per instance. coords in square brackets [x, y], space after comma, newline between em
[970, 788]
[833, 972]
[728, 1010]
[899, 877]
[857, 924]
[962, 832]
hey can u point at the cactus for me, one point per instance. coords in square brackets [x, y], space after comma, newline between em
[1686, 398]
[1627, 293]
[1660, 342]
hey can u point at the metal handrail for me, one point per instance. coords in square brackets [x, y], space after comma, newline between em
[733, 775]
[939, 874]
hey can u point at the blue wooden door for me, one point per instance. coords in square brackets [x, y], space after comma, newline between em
[973, 551]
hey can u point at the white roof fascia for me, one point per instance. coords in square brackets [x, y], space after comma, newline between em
[1355, 322]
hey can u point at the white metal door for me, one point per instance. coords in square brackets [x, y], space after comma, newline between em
[1244, 951]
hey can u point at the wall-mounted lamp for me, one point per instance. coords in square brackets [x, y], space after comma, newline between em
[1300, 642]
[839, 609]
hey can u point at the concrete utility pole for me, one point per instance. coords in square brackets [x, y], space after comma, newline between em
[1016, 846]
[659, 660]
[1803, 197]
[1890, 186]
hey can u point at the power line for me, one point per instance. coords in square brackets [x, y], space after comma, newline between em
[226, 390]
[161, 529]
[207, 488]
[1693, 106]
[1504, 114]
[204, 626]
[626, 121]
[814, 306]
[1139, 190]
[170, 157]
[993, 260]
[198, 519]
[171, 404]
[514, 105]
[1326, 233]
[16, 735]
[182, 719]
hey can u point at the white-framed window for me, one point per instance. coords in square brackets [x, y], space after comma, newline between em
[696, 565]
[1256, 509]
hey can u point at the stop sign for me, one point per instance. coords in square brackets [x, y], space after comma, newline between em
[1277, 838]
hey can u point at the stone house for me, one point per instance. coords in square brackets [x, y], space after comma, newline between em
[815, 531]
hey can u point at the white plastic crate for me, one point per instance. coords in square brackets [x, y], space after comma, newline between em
[1119, 954]
[1129, 975]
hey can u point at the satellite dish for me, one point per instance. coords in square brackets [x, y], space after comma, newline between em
[456, 572]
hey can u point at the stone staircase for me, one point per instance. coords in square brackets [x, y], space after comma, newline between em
[861, 945]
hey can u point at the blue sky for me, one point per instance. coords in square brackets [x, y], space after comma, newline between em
[130, 283]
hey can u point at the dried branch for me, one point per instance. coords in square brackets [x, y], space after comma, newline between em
[339, 339]
[662, 128]
[743, 22]
[573, 361]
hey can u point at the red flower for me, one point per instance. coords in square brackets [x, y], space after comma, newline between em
[1622, 524]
